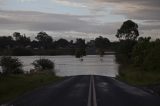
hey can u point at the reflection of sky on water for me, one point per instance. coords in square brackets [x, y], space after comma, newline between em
[69, 65]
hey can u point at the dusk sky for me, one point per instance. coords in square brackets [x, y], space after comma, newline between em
[78, 18]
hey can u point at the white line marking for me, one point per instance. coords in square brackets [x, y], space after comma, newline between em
[92, 90]
[89, 94]
[94, 93]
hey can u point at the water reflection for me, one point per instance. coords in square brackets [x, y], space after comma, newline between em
[70, 66]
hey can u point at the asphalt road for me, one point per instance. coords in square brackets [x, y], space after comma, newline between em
[87, 91]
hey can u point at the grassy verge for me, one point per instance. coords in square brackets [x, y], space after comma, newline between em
[12, 86]
[138, 77]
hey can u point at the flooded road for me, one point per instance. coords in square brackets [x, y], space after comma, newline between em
[71, 66]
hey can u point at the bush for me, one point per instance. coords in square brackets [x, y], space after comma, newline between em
[140, 51]
[11, 65]
[146, 55]
[43, 64]
[152, 60]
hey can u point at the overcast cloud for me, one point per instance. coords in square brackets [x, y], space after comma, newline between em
[70, 18]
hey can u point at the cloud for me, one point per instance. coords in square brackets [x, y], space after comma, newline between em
[100, 21]
[136, 9]
[27, 1]
[62, 23]
[37, 21]
[69, 3]
[133, 9]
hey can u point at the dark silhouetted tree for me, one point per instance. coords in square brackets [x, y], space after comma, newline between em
[45, 41]
[62, 43]
[80, 48]
[101, 44]
[129, 30]
[6, 42]
[21, 40]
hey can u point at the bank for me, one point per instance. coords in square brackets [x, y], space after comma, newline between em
[147, 80]
[12, 86]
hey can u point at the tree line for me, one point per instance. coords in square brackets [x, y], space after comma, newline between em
[43, 44]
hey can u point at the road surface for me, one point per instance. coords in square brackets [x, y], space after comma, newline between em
[87, 91]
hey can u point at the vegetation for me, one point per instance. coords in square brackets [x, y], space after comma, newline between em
[102, 44]
[139, 59]
[129, 30]
[44, 44]
[80, 48]
[136, 76]
[43, 64]
[44, 40]
[10, 65]
[12, 86]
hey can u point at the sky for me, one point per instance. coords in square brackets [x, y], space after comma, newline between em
[72, 19]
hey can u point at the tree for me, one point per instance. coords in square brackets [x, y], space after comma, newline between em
[128, 30]
[17, 35]
[11, 65]
[6, 42]
[144, 39]
[21, 40]
[44, 39]
[80, 48]
[101, 44]
[43, 64]
[63, 43]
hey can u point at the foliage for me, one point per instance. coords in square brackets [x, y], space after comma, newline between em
[144, 67]
[129, 30]
[6, 42]
[146, 54]
[143, 54]
[11, 65]
[136, 76]
[102, 43]
[126, 47]
[44, 39]
[62, 43]
[140, 51]
[43, 64]
[80, 48]
[19, 44]
[152, 60]
[21, 40]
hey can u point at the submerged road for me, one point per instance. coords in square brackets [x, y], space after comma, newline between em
[87, 91]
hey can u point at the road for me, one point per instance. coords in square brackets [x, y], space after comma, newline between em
[87, 91]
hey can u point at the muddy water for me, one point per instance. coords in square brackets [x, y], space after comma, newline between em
[69, 65]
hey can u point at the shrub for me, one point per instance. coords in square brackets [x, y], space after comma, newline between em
[43, 64]
[146, 55]
[152, 60]
[11, 65]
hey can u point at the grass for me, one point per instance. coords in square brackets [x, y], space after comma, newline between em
[12, 86]
[136, 76]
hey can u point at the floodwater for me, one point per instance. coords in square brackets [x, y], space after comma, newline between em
[71, 66]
